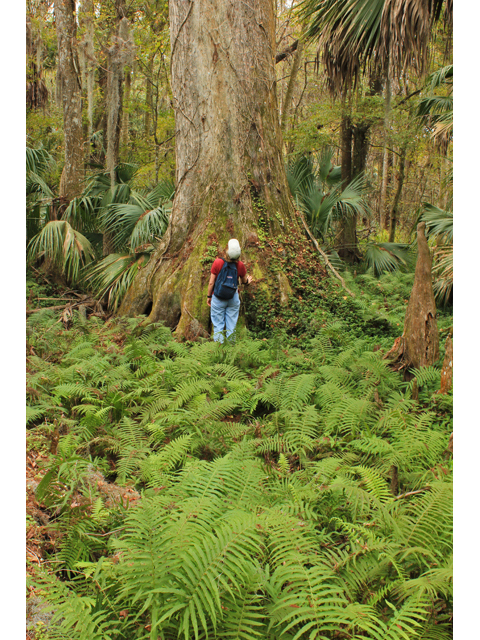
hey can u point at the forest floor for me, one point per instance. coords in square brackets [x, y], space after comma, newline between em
[343, 338]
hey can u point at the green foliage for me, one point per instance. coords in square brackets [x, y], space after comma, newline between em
[439, 227]
[265, 477]
[316, 187]
[38, 193]
[436, 110]
[387, 256]
[439, 223]
[63, 247]
[112, 276]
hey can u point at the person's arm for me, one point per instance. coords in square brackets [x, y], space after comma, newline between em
[211, 284]
[246, 279]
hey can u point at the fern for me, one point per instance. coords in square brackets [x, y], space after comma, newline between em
[265, 474]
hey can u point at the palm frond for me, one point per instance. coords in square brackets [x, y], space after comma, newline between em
[66, 248]
[150, 226]
[439, 222]
[113, 276]
[38, 161]
[354, 33]
[387, 256]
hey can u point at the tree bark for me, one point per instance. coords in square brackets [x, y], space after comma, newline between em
[291, 85]
[230, 174]
[37, 92]
[348, 225]
[447, 367]
[418, 346]
[148, 95]
[385, 173]
[71, 93]
[286, 52]
[126, 106]
[86, 16]
[398, 193]
[360, 134]
[119, 55]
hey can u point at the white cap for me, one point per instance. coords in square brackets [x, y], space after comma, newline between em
[233, 250]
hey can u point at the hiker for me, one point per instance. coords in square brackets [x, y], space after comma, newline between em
[222, 293]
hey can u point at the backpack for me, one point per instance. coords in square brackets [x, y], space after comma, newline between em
[226, 283]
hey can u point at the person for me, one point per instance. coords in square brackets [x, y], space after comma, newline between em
[224, 313]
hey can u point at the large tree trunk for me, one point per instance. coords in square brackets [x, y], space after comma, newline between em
[418, 346]
[71, 93]
[230, 175]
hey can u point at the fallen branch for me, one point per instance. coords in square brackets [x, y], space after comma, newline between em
[412, 493]
[55, 298]
[89, 302]
[325, 257]
[55, 308]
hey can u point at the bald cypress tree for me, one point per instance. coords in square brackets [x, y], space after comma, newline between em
[230, 174]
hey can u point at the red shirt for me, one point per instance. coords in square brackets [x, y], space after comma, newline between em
[218, 264]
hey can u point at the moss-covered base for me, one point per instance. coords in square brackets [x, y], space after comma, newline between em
[172, 288]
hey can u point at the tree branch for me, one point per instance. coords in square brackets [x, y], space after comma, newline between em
[286, 52]
[412, 493]
[324, 256]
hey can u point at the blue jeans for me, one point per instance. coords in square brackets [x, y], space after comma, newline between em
[224, 314]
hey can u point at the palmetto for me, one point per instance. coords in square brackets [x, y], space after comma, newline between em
[134, 218]
[316, 187]
[65, 249]
[439, 226]
[39, 194]
[436, 109]
[386, 33]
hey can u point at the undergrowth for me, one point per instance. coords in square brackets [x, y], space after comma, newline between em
[287, 487]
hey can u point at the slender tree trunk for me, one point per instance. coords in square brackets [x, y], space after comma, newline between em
[297, 58]
[360, 134]
[348, 228]
[37, 92]
[126, 106]
[87, 14]
[148, 95]
[346, 135]
[71, 91]
[446, 379]
[385, 173]
[398, 193]
[361, 141]
[119, 55]
[229, 164]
